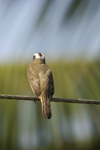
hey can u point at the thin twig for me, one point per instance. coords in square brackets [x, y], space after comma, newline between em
[65, 100]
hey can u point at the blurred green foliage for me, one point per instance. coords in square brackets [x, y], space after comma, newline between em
[66, 129]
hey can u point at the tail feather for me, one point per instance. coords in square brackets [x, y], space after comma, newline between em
[46, 108]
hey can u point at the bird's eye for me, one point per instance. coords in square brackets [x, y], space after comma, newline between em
[33, 57]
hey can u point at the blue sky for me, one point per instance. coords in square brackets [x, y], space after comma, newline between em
[33, 26]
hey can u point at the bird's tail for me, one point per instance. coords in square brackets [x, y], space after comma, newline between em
[46, 108]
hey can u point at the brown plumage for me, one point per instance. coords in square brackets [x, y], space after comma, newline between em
[41, 82]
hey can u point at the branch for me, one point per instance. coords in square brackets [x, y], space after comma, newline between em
[65, 100]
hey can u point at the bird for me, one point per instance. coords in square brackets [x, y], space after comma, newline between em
[41, 82]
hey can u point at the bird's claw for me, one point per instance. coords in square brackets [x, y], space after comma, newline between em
[34, 101]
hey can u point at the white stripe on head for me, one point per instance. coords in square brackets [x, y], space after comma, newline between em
[39, 55]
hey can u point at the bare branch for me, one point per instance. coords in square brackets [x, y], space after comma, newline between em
[65, 100]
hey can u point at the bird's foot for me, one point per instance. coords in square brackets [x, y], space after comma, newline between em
[34, 101]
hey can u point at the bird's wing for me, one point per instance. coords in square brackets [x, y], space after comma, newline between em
[34, 81]
[51, 83]
[46, 80]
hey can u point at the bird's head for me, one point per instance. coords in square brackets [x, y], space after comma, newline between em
[39, 57]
